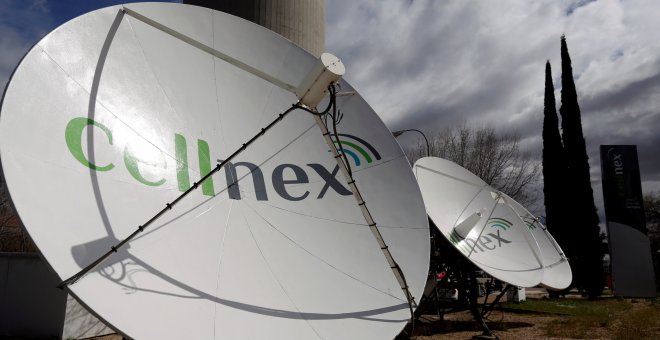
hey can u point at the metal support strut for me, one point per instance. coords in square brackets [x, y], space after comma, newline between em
[398, 273]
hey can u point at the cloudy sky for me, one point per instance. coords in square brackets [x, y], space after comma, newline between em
[438, 64]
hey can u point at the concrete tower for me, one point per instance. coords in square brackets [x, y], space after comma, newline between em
[301, 21]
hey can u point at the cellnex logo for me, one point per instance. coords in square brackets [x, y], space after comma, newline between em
[355, 148]
[490, 240]
[619, 174]
[74, 134]
[499, 223]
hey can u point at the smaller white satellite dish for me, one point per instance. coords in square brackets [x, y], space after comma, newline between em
[478, 221]
[557, 271]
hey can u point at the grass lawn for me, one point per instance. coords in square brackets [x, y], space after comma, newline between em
[608, 318]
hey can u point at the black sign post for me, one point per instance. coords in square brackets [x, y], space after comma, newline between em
[630, 249]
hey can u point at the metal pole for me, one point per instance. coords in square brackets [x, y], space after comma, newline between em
[428, 146]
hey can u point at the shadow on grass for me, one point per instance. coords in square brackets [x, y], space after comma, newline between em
[425, 327]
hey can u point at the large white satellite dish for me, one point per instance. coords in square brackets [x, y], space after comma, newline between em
[557, 272]
[117, 112]
[477, 221]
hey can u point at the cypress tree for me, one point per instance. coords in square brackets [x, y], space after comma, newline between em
[554, 169]
[586, 260]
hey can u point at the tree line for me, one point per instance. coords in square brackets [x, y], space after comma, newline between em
[571, 215]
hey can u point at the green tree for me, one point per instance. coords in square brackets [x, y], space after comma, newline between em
[554, 169]
[586, 260]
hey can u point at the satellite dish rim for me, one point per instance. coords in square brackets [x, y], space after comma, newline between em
[74, 292]
[449, 173]
[549, 269]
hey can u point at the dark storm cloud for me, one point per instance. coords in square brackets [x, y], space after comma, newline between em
[576, 4]
[628, 114]
[22, 23]
[436, 56]
[635, 91]
[649, 161]
[440, 64]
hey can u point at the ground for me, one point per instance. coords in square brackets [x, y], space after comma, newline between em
[461, 326]
[572, 317]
